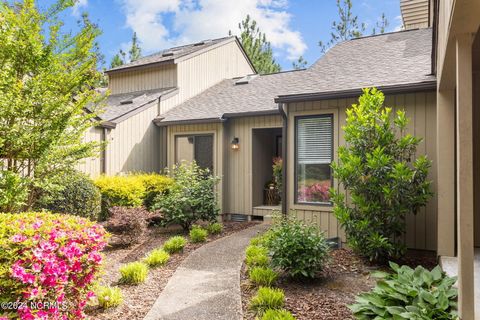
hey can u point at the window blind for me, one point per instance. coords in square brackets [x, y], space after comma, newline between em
[315, 140]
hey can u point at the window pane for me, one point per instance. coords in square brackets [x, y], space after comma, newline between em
[314, 149]
[204, 151]
[184, 149]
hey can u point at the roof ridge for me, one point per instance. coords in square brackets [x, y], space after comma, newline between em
[385, 34]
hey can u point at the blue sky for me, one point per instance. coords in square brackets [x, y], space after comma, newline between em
[294, 27]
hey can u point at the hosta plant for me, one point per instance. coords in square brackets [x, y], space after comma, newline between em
[48, 257]
[384, 181]
[409, 294]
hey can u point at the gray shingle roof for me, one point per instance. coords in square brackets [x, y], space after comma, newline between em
[385, 60]
[227, 97]
[120, 105]
[391, 59]
[172, 53]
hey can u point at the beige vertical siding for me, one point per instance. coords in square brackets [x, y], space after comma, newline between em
[238, 163]
[415, 13]
[145, 79]
[217, 130]
[207, 69]
[421, 108]
[92, 166]
[134, 144]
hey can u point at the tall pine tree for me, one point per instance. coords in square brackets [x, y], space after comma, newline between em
[257, 47]
[134, 54]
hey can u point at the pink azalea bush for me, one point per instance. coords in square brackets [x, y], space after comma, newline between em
[48, 264]
[317, 192]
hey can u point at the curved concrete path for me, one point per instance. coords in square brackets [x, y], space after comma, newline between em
[206, 286]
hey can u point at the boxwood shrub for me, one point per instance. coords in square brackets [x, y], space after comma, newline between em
[49, 257]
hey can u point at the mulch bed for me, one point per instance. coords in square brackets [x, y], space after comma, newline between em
[137, 300]
[327, 297]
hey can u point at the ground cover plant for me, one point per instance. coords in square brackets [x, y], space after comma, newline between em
[256, 256]
[267, 298]
[272, 314]
[157, 258]
[264, 277]
[198, 234]
[49, 257]
[108, 297]
[408, 293]
[214, 228]
[384, 181]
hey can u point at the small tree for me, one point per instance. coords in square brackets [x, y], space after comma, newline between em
[257, 47]
[380, 177]
[47, 80]
[134, 54]
[301, 63]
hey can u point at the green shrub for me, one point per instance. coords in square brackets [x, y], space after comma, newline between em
[261, 240]
[272, 314]
[133, 273]
[198, 234]
[377, 171]
[296, 248]
[13, 191]
[267, 298]
[409, 294]
[264, 277]
[120, 191]
[256, 256]
[78, 195]
[157, 258]
[214, 228]
[109, 297]
[174, 244]
[192, 198]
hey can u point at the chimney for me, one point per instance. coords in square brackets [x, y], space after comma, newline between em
[416, 13]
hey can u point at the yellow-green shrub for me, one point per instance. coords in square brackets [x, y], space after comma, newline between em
[256, 256]
[155, 184]
[157, 258]
[198, 234]
[134, 273]
[267, 298]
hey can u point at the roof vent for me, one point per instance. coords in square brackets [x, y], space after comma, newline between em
[246, 79]
[167, 54]
[128, 101]
[201, 43]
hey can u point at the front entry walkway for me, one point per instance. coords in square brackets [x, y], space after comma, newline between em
[450, 266]
[207, 284]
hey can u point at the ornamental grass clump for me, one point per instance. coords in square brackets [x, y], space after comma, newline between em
[109, 297]
[384, 179]
[134, 273]
[198, 234]
[49, 257]
[264, 277]
[409, 294]
[256, 256]
[157, 258]
[174, 244]
[214, 228]
[267, 298]
[272, 314]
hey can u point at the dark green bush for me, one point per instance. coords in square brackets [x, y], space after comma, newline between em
[409, 294]
[267, 298]
[78, 196]
[381, 177]
[193, 197]
[296, 248]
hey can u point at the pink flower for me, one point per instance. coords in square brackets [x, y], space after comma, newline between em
[37, 225]
[93, 256]
[19, 238]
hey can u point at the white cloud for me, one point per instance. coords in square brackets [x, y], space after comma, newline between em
[79, 4]
[194, 20]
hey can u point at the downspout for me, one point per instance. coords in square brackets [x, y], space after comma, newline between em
[284, 157]
[104, 151]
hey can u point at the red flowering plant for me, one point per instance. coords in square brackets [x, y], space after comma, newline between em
[48, 265]
[316, 192]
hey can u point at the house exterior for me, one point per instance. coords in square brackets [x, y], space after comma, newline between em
[205, 102]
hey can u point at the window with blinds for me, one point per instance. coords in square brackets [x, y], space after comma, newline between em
[313, 155]
[198, 148]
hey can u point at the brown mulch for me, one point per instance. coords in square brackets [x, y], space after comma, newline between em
[345, 276]
[137, 300]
